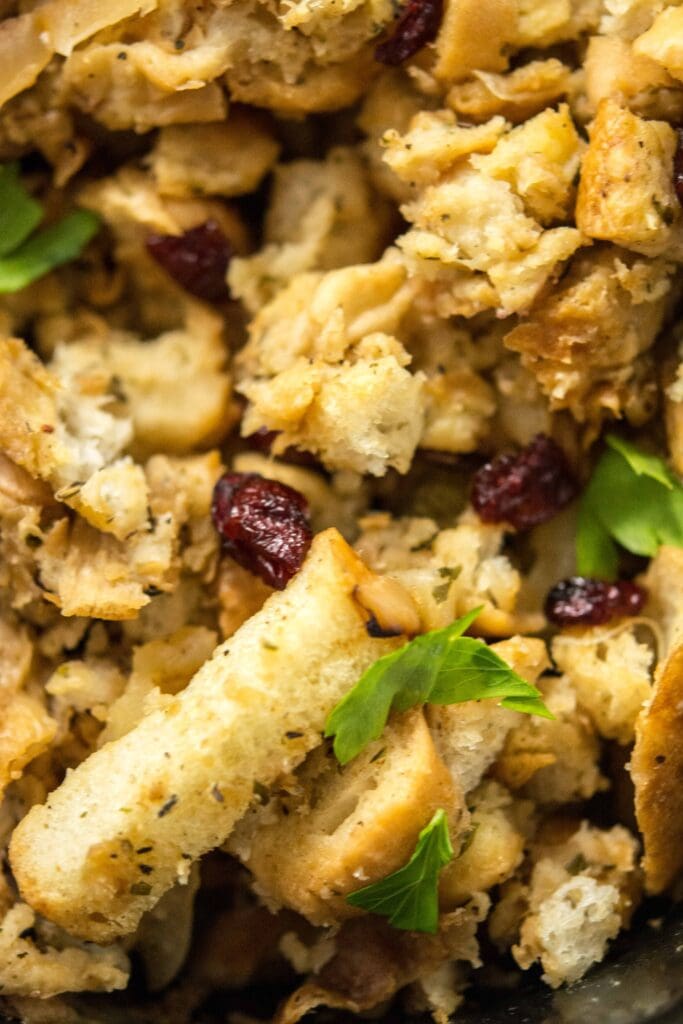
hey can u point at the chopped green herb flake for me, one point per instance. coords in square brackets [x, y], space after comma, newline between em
[441, 667]
[440, 592]
[409, 897]
[449, 572]
[577, 864]
[167, 807]
[140, 889]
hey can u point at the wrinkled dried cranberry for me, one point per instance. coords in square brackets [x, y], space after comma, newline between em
[198, 259]
[678, 167]
[588, 602]
[417, 24]
[524, 489]
[263, 524]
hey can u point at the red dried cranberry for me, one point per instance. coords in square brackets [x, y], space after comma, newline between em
[678, 166]
[264, 525]
[418, 24]
[198, 259]
[588, 602]
[524, 489]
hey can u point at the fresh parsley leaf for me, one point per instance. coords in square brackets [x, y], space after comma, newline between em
[473, 671]
[596, 552]
[632, 498]
[642, 463]
[410, 896]
[441, 667]
[19, 212]
[46, 250]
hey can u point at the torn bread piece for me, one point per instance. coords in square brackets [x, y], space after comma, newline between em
[626, 193]
[491, 848]
[657, 759]
[46, 964]
[553, 761]
[179, 781]
[336, 829]
[610, 669]
[583, 888]
[470, 736]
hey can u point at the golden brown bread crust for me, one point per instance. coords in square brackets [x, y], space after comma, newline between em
[657, 771]
[657, 759]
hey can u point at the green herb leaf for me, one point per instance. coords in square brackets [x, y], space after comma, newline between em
[441, 667]
[473, 671]
[634, 499]
[642, 463]
[596, 552]
[19, 212]
[410, 896]
[51, 247]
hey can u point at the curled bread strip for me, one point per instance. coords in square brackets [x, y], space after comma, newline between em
[130, 820]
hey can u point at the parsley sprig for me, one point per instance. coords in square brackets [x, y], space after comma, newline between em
[26, 255]
[410, 896]
[441, 667]
[633, 500]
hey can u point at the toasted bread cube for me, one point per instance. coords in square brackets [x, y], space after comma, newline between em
[553, 761]
[626, 192]
[492, 848]
[226, 158]
[470, 736]
[613, 71]
[583, 339]
[345, 829]
[610, 671]
[663, 42]
[539, 159]
[582, 891]
[473, 36]
[26, 730]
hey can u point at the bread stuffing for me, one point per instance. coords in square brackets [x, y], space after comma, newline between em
[341, 507]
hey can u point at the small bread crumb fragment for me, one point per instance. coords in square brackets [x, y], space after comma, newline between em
[583, 889]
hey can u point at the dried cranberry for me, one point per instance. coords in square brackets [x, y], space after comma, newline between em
[198, 259]
[524, 489]
[588, 602]
[418, 23]
[264, 525]
[678, 167]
